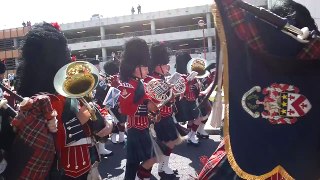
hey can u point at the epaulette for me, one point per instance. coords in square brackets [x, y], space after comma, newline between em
[126, 85]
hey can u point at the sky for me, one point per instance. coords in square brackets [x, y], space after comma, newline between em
[14, 12]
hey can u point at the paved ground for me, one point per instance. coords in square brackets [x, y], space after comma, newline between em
[185, 159]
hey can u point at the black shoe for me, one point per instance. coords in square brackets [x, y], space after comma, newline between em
[106, 155]
[122, 143]
[165, 176]
[201, 136]
[193, 144]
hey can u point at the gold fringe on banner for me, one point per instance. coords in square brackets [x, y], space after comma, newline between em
[224, 53]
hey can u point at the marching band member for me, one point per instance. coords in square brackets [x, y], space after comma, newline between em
[135, 104]
[186, 106]
[45, 51]
[2, 70]
[205, 109]
[111, 69]
[34, 129]
[99, 95]
[7, 135]
[6, 82]
[165, 128]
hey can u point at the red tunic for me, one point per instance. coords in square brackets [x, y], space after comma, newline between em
[75, 157]
[137, 112]
[192, 89]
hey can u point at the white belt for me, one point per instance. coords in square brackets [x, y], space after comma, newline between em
[86, 140]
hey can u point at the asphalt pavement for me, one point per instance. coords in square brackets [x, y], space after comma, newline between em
[185, 158]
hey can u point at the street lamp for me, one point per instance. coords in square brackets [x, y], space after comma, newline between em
[201, 23]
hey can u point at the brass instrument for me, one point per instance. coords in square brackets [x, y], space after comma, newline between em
[76, 80]
[163, 90]
[178, 83]
[198, 65]
[159, 90]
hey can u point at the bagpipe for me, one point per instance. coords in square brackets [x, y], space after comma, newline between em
[279, 22]
[77, 80]
[33, 125]
[3, 104]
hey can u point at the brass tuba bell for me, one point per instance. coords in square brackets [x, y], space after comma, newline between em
[198, 65]
[76, 80]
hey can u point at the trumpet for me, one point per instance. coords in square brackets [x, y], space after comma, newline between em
[77, 80]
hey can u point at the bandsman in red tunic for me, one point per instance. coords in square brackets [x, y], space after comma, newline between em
[187, 111]
[135, 104]
[205, 109]
[45, 51]
[165, 129]
[111, 69]
[98, 97]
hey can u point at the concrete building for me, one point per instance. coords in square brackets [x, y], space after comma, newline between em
[103, 38]
[10, 41]
[179, 28]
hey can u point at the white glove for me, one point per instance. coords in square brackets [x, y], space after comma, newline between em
[52, 125]
[3, 165]
[3, 103]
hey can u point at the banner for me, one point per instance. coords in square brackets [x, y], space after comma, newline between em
[272, 98]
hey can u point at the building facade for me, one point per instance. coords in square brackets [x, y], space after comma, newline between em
[179, 28]
[10, 41]
[103, 38]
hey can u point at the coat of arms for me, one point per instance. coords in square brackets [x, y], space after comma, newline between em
[282, 103]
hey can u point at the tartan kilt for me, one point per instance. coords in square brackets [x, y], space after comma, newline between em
[139, 146]
[206, 107]
[166, 129]
[120, 117]
[187, 110]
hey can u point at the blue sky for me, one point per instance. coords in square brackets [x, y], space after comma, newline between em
[14, 12]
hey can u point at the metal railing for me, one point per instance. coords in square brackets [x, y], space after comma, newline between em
[135, 33]
[11, 64]
[6, 44]
[194, 50]
[172, 53]
[178, 29]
